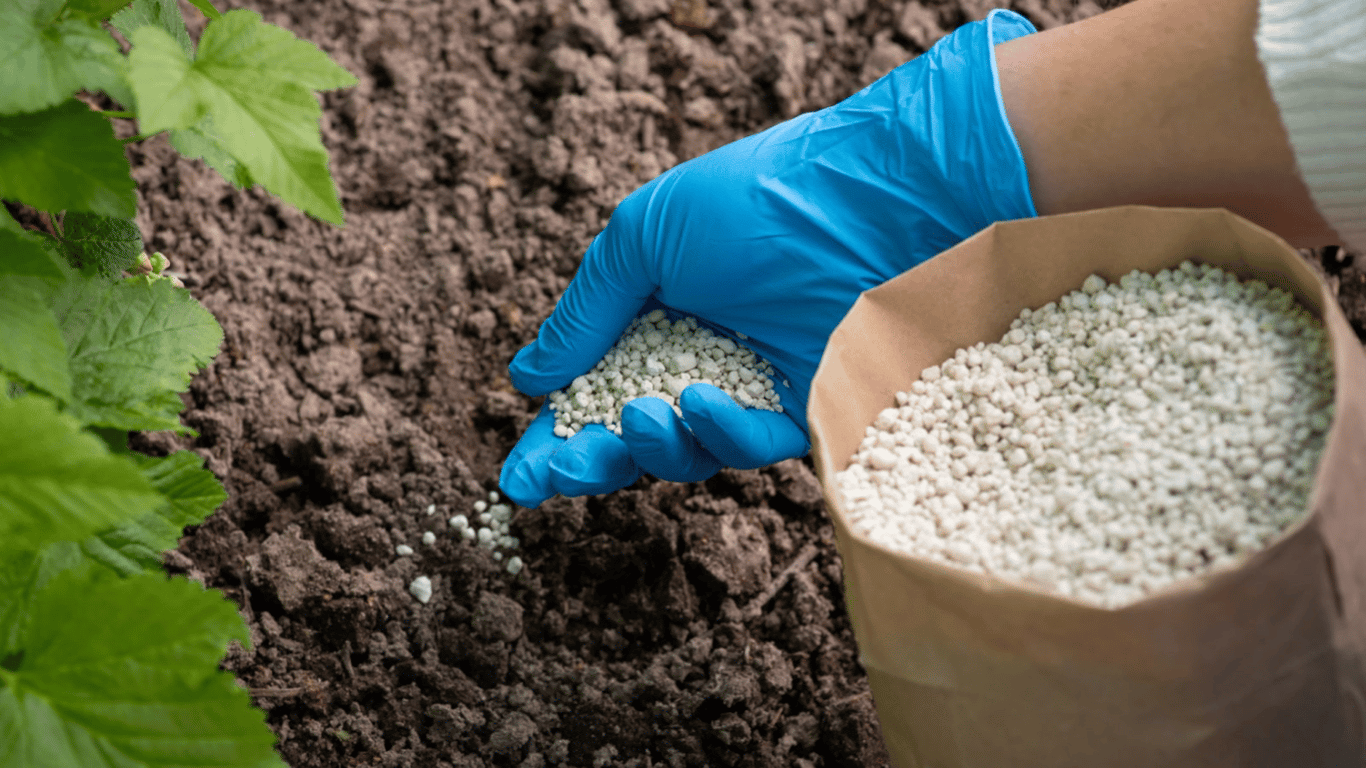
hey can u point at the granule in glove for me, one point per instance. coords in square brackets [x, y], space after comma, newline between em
[657, 357]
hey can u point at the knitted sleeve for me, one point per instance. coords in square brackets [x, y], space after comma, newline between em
[1314, 55]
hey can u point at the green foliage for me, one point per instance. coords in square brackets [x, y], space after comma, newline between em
[164, 14]
[25, 253]
[132, 346]
[124, 672]
[96, 9]
[103, 661]
[201, 142]
[65, 158]
[205, 7]
[34, 351]
[59, 482]
[102, 244]
[244, 102]
[254, 79]
[48, 55]
[191, 494]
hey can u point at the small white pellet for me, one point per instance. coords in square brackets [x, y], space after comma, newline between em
[421, 588]
[514, 565]
[403, 550]
[656, 357]
[428, 538]
[459, 522]
[1122, 438]
[431, 509]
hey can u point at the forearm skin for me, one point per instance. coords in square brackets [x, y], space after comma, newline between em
[1159, 102]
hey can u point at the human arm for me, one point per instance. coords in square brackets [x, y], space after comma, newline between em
[1159, 102]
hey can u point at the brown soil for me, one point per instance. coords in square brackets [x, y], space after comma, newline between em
[364, 379]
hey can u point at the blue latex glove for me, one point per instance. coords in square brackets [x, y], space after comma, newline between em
[773, 236]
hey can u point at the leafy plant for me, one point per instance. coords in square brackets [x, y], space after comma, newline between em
[104, 661]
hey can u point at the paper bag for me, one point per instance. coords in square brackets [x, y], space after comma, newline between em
[1261, 665]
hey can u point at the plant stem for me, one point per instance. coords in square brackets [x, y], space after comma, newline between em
[122, 115]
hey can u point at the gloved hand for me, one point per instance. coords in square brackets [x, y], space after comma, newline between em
[773, 236]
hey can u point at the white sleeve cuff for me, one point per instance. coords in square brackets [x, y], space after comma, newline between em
[1314, 56]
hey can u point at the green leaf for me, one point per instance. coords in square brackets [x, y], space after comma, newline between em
[124, 673]
[164, 14]
[24, 253]
[43, 11]
[200, 142]
[18, 581]
[7, 222]
[58, 482]
[114, 439]
[96, 9]
[22, 574]
[158, 412]
[132, 345]
[101, 244]
[65, 158]
[193, 491]
[254, 79]
[33, 350]
[192, 494]
[205, 7]
[244, 47]
[47, 60]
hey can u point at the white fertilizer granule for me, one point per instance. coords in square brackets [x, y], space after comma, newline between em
[657, 357]
[1117, 440]
[421, 588]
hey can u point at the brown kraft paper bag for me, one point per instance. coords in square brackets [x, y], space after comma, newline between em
[1260, 665]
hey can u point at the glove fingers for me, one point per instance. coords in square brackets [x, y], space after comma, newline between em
[740, 437]
[525, 477]
[595, 309]
[661, 443]
[591, 462]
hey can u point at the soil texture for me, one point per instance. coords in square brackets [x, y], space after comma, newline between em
[362, 399]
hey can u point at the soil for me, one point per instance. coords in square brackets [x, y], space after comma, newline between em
[363, 382]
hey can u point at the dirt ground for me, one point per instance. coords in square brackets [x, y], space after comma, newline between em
[363, 383]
